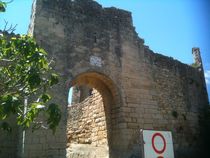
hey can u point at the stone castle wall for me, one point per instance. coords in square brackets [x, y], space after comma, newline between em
[99, 47]
[86, 123]
[86, 126]
[9, 141]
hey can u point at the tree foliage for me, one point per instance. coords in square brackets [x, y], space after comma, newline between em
[26, 76]
[3, 6]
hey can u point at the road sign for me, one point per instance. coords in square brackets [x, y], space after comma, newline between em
[157, 144]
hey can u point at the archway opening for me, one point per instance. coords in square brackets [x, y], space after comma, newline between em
[89, 116]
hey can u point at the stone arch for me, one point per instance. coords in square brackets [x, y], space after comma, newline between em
[109, 92]
[104, 84]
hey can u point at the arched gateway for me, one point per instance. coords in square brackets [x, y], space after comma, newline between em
[91, 121]
[98, 48]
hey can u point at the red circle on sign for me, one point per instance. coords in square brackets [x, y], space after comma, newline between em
[153, 143]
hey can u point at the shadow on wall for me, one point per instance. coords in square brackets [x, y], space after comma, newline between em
[89, 116]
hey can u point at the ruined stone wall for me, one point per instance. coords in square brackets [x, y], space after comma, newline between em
[9, 141]
[86, 123]
[74, 33]
[143, 90]
[180, 94]
[86, 128]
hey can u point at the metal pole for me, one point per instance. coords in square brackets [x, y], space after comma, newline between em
[24, 132]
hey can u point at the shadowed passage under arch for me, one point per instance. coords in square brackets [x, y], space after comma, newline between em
[89, 118]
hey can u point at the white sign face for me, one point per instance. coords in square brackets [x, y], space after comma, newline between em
[158, 144]
[95, 61]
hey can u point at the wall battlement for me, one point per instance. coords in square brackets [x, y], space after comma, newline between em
[89, 8]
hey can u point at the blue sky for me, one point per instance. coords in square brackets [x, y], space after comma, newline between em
[169, 27]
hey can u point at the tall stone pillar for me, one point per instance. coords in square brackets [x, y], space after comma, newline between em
[197, 58]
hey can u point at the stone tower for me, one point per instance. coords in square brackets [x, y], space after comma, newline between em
[99, 48]
[197, 56]
[197, 59]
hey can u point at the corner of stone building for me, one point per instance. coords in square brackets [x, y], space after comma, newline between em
[34, 9]
[198, 64]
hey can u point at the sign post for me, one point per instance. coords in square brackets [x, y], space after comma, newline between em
[157, 144]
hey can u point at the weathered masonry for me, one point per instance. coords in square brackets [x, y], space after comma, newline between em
[133, 87]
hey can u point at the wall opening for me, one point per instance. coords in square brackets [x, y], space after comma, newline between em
[77, 94]
[91, 98]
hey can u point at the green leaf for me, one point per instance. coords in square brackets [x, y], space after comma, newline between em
[9, 104]
[3, 6]
[54, 116]
[32, 113]
[5, 126]
[34, 80]
[54, 79]
[45, 97]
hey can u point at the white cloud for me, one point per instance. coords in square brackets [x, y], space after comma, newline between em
[207, 76]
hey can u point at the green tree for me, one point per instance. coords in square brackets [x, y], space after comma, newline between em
[26, 76]
[2, 6]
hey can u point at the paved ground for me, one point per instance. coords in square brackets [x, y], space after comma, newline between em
[87, 151]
